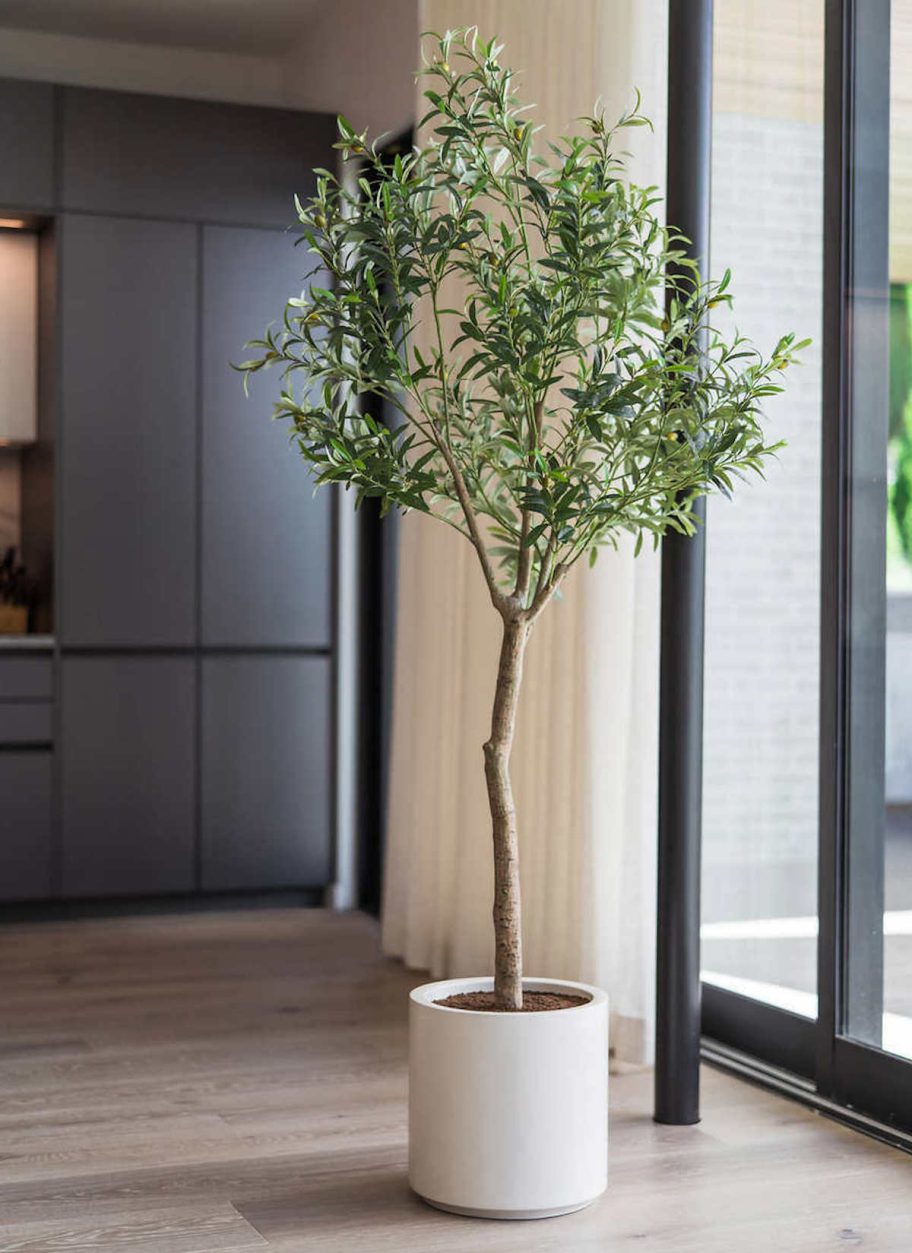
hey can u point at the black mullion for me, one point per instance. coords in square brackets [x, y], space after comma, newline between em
[834, 549]
[867, 349]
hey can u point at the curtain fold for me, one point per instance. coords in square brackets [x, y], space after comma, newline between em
[584, 760]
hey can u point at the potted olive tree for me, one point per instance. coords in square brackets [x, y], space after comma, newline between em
[546, 349]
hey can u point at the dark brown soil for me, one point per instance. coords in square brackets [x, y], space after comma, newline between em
[533, 1002]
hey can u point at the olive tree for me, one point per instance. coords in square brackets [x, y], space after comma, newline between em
[546, 349]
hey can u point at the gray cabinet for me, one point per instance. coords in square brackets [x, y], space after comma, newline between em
[127, 775]
[143, 154]
[266, 546]
[26, 677]
[26, 722]
[265, 772]
[26, 145]
[180, 736]
[128, 300]
[25, 849]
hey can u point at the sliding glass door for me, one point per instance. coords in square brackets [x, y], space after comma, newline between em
[761, 700]
[807, 887]
[897, 917]
[865, 963]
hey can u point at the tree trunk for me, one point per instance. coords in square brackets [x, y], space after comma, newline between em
[507, 906]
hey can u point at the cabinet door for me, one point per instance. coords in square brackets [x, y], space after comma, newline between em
[265, 772]
[26, 145]
[190, 159]
[25, 848]
[266, 538]
[128, 448]
[128, 765]
[26, 676]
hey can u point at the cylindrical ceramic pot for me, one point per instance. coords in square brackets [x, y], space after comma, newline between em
[508, 1113]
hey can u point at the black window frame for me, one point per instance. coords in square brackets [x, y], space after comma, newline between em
[818, 1061]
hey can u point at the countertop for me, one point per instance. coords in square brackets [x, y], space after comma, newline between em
[26, 643]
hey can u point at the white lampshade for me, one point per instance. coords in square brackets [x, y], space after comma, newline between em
[18, 336]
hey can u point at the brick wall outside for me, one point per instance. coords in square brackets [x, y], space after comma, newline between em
[763, 586]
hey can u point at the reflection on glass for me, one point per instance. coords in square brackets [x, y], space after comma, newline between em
[897, 941]
[763, 583]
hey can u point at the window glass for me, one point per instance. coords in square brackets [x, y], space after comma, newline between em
[761, 694]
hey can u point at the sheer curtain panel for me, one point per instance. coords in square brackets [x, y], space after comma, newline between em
[584, 761]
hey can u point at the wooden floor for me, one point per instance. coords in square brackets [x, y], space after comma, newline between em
[237, 1082]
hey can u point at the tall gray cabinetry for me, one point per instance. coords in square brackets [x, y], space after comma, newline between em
[265, 582]
[194, 564]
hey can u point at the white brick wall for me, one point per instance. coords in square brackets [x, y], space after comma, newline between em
[899, 710]
[762, 609]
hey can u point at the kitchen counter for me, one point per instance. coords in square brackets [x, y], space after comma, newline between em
[27, 643]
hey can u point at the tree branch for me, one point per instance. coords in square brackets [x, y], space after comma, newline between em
[546, 592]
[525, 555]
[499, 600]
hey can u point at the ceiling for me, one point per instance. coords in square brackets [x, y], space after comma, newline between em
[263, 27]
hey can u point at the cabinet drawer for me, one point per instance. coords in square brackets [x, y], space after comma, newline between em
[26, 678]
[26, 722]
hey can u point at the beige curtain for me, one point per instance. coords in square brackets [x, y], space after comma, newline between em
[584, 761]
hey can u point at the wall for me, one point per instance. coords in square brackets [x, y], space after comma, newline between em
[120, 66]
[356, 57]
[901, 144]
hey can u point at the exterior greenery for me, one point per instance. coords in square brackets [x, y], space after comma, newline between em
[506, 298]
[901, 415]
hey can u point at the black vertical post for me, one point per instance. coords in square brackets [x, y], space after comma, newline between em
[677, 1072]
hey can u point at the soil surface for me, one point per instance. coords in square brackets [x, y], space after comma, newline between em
[533, 1002]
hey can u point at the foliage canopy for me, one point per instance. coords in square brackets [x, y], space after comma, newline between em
[509, 305]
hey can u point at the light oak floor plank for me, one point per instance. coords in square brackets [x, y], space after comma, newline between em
[237, 1082]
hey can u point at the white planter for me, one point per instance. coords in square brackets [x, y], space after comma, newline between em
[508, 1113]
